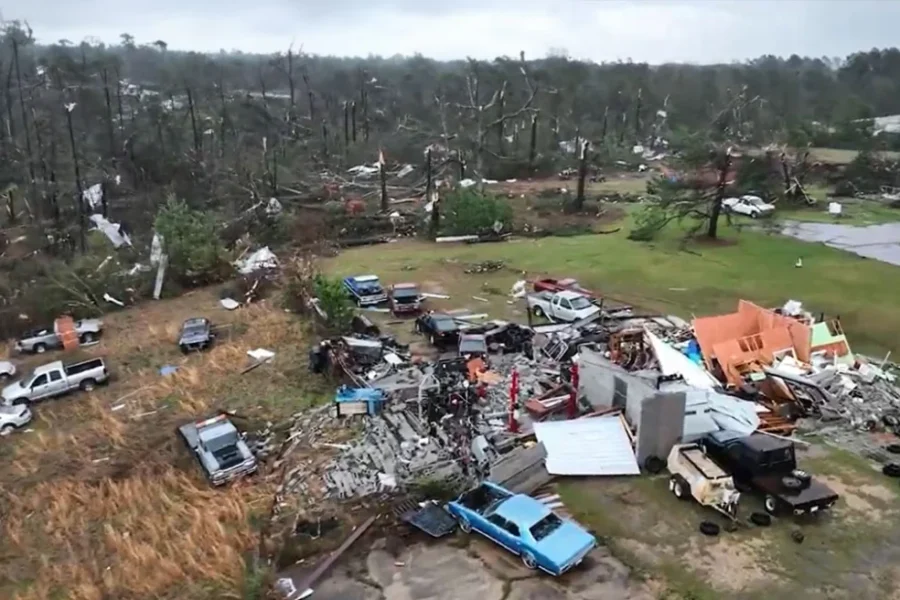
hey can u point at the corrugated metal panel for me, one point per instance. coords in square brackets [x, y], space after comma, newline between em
[598, 446]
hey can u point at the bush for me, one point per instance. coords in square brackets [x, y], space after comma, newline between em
[333, 300]
[467, 212]
[196, 254]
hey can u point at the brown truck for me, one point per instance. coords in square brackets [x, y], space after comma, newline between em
[405, 298]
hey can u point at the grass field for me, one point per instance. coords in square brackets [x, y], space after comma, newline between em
[102, 500]
[706, 279]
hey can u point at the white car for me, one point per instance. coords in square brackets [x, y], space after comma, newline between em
[13, 417]
[7, 370]
[751, 206]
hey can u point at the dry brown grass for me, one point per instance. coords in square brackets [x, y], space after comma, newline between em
[102, 500]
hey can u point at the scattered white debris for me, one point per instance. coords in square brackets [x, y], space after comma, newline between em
[261, 354]
[435, 296]
[835, 208]
[156, 249]
[637, 149]
[406, 170]
[479, 298]
[113, 231]
[261, 259]
[274, 207]
[112, 300]
[93, 196]
[792, 308]
[229, 303]
[518, 289]
[363, 170]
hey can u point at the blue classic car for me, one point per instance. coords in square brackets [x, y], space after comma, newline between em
[523, 526]
[365, 290]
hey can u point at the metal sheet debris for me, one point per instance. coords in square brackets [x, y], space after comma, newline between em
[597, 446]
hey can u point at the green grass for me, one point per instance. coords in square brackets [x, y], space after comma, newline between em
[854, 212]
[708, 279]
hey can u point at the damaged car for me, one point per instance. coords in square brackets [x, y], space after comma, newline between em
[405, 298]
[219, 448]
[365, 290]
[524, 526]
[441, 329]
[196, 334]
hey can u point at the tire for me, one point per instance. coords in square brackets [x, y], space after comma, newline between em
[529, 561]
[20, 401]
[891, 470]
[7, 429]
[893, 448]
[40, 348]
[4, 377]
[654, 465]
[803, 477]
[753, 215]
[761, 519]
[464, 525]
[537, 311]
[798, 536]
[87, 338]
[679, 488]
[771, 504]
[88, 385]
[709, 528]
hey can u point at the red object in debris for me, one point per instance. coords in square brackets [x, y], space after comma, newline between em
[355, 207]
[573, 395]
[513, 398]
[548, 284]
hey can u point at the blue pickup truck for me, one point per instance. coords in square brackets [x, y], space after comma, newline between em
[365, 290]
[523, 526]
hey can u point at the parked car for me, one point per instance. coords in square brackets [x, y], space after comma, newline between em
[694, 475]
[13, 417]
[365, 290]
[442, 329]
[220, 449]
[561, 306]
[405, 298]
[472, 345]
[549, 284]
[7, 370]
[751, 206]
[56, 379]
[767, 465]
[196, 334]
[40, 340]
[523, 526]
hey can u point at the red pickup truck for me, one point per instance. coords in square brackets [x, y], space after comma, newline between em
[548, 284]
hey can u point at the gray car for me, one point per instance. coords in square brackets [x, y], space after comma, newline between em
[218, 445]
[196, 334]
[40, 340]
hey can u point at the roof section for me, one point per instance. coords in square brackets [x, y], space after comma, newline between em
[596, 446]
[364, 278]
[523, 510]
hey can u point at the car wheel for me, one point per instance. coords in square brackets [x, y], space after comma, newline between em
[529, 561]
[753, 215]
[771, 505]
[40, 348]
[464, 525]
[87, 338]
[538, 311]
[88, 385]
[7, 429]
[678, 489]
[891, 470]
[5, 377]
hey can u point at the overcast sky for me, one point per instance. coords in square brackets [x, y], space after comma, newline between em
[698, 31]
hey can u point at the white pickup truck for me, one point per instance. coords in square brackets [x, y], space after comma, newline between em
[56, 379]
[561, 306]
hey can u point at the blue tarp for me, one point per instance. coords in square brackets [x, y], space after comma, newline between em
[371, 397]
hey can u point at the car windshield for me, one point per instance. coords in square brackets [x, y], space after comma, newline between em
[444, 324]
[369, 287]
[580, 302]
[221, 442]
[194, 328]
[406, 293]
[472, 344]
[754, 201]
[545, 526]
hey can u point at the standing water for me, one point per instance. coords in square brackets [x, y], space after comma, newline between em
[881, 242]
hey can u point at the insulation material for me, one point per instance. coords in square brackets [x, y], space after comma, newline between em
[598, 446]
[93, 196]
[673, 362]
[261, 259]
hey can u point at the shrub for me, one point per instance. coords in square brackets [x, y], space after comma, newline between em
[196, 254]
[467, 212]
[333, 300]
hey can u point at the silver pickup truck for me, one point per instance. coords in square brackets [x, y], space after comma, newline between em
[219, 447]
[56, 379]
[39, 341]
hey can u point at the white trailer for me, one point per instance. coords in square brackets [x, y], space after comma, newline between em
[695, 475]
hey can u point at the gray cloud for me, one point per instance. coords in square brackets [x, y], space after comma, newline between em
[699, 31]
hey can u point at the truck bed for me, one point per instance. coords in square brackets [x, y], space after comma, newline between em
[815, 493]
[703, 463]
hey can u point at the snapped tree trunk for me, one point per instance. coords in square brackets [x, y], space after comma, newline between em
[623, 127]
[603, 127]
[197, 141]
[429, 193]
[324, 140]
[10, 122]
[582, 174]
[109, 118]
[382, 175]
[501, 105]
[716, 211]
[11, 206]
[119, 99]
[25, 129]
[291, 86]
[532, 149]
[311, 98]
[346, 124]
[637, 115]
[353, 120]
[79, 192]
